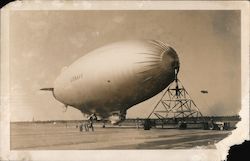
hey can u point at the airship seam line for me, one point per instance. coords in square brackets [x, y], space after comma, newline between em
[150, 54]
[152, 65]
[152, 61]
[158, 43]
[160, 46]
[148, 78]
[147, 70]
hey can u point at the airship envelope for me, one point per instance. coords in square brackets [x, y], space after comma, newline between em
[111, 79]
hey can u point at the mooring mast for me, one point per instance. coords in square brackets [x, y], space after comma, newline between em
[176, 105]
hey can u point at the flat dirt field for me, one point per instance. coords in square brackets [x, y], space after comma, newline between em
[48, 136]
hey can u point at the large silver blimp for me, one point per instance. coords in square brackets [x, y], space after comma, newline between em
[111, 79]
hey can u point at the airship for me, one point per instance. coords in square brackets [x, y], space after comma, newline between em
[204, 91]
[111, 79]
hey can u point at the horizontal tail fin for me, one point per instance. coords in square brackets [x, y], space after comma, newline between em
[47, 89]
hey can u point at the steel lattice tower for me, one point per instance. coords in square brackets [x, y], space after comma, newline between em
[176, 104]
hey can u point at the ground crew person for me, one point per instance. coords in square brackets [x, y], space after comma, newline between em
[91, 123]
[81, 127]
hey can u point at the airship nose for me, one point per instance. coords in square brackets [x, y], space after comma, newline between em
[170, 59]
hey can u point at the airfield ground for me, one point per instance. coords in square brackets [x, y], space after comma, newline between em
[37, 136]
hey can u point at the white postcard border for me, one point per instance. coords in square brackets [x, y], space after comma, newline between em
[238, 135]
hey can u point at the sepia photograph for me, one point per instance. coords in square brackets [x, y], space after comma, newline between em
[118, 78]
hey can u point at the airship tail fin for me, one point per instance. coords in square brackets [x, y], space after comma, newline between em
[47, 89]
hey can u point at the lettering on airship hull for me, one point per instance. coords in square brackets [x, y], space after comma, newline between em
[76, 77]
[127, 73]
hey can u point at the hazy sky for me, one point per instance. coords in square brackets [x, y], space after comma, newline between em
[43, 42]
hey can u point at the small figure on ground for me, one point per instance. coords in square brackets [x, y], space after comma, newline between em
[81, 127]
